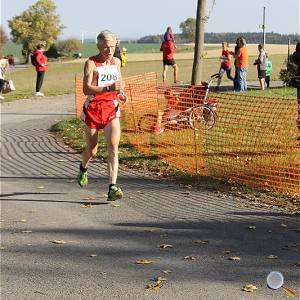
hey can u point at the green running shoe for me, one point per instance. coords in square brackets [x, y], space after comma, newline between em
[82, 178]
[114, 193]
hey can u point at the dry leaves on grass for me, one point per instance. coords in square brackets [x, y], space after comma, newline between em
[143, 262]
[249, 288]
[165, 246]
[289, 293]
[58, 242]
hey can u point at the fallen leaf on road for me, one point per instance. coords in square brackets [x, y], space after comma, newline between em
[283, 225]
[86, 205]
[227, 251]
[252, 227]
[70, 181]
[60, 160]
[201, 242]
[164, 246]
[234, 258]
[153, 230]
[2, 248]
[155, 286]
[159, 279]
[40, 187]
[189, 257]
[290, 293]
[143, 261]
[167, 271]
[115, 205]
[26, 231]
[249, 288]
[164, 235]
[89, 198]
[271, 256]
[59, 242]
[93, 255]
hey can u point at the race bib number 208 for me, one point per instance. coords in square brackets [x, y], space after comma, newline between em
[107, 75]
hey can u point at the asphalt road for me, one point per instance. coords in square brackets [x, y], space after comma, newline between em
[41, 203]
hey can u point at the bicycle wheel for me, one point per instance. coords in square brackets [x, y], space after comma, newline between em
[202, 117]
[146, 123]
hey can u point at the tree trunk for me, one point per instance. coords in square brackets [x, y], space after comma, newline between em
[199, 43]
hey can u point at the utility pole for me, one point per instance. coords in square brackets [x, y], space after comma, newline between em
[264, 26]
[289, 44]
[199, 43]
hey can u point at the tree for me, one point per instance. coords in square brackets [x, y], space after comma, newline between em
[199, 43]
[39, 23]
[68, 46]
[3, 38]
[188, 28]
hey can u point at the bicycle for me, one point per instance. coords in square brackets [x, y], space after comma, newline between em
[194, 116]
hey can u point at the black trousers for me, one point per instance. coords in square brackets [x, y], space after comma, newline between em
[39, 80]
[1, 84]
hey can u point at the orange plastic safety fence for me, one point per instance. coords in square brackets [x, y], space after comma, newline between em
[246, 139]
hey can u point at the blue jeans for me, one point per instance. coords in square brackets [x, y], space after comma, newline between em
[241, 79]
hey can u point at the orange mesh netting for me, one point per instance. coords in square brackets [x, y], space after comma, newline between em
[248, 139]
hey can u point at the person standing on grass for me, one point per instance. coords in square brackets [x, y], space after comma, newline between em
[225, 64]
[269, 67]
[4, 66]
[41, 67]
[103, 84]
[261, 64]
[169, 36]
[168, 49]
[242, 65]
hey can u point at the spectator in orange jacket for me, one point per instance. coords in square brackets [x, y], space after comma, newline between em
[41, 67]
[242, 65]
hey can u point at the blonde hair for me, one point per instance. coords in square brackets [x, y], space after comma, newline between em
[105, 35]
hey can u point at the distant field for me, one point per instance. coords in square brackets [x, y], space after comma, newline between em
[145, 51]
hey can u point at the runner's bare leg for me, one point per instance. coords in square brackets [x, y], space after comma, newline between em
[91, 136]
[165, 73]
[112, 133]
[175, 67]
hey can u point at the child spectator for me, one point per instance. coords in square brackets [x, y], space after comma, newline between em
[268, 70]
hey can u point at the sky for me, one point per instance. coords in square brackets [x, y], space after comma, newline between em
[134, 19]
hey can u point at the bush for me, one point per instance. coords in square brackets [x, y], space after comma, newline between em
[287, 75]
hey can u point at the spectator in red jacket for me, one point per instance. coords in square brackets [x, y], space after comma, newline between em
[41, 67]
[168, 49]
